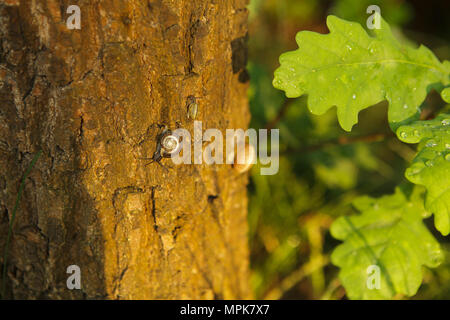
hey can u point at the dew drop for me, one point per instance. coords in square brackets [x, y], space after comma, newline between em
[431, 143]
[403, 135]
[412, 172]
[354, 96]
[436, 256]
[445, 122]
[405, 106]
[447, 145]
[416, 169]
[416, 133]
[429, 163]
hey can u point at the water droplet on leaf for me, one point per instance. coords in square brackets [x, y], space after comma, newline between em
[431, 143]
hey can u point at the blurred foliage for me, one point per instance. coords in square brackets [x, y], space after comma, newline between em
[390, 234]
[322, 168]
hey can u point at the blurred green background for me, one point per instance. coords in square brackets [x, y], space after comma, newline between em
[323, 168]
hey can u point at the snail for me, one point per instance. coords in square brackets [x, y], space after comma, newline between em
[243, 162]
[168, 144]
[192, 107]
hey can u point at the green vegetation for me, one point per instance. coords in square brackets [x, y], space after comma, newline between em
[323, 170]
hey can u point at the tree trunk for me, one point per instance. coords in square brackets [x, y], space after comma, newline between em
[92, 99]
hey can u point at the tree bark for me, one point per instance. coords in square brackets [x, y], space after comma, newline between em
[91, 100]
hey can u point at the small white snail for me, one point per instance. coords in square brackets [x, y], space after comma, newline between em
[167, 145]
[170, 144]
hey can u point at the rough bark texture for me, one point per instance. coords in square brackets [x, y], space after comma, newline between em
[91, 100]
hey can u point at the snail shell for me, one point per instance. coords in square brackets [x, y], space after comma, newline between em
[170, 144]
[192, 107]
[243, 162]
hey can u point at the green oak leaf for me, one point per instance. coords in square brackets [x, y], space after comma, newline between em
[351, 70]
[390, 235]
[431, 166]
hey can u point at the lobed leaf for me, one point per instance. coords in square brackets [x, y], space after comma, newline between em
[431, 166]
[389, 234]
[351, 70]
